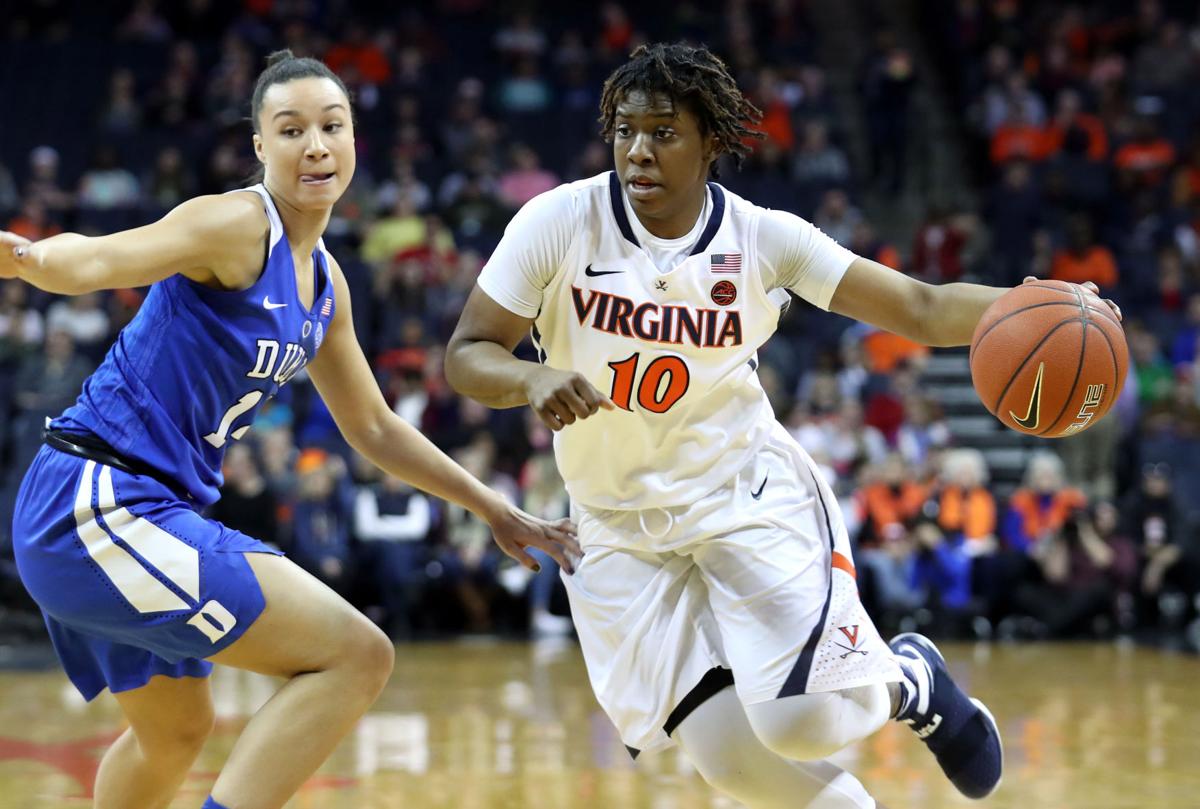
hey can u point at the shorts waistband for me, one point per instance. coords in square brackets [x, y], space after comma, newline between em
[96, 449]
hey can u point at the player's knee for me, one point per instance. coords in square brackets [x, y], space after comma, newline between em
[804, 728]
[371, 657]
[182, 738]
[730, 773]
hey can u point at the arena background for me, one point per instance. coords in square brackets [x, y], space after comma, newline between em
[977, 140]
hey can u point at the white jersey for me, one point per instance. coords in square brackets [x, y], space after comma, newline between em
[674, 344]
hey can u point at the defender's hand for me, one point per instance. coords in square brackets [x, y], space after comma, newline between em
[561, 397]
[515, 530]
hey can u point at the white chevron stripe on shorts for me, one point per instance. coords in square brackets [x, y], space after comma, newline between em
[134, 582]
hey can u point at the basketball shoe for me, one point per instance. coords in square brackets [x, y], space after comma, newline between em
[958, 730]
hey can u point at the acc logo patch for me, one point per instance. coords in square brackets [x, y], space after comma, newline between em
[724, 293]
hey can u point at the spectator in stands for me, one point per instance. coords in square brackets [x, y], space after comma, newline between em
[1183, 348]
[887, 84]
[1017, 138]
[937, 254]
[1145, 159]
[404, 233]
[1013, 213]
[168, 183]
[1069, 116]
[247, 504]
[392, 521]
[837, 217]
[819, 163]
[545, 497]
[47, 382]
[525, 91]
[941, 573]
[521, 38]
[356, 51]
[122, 113]
[891, 503]
[322, 518]
[1165, 540]
[965, 507]
[1076, 592]
[922, 433]
[43, 183]
[83, 318]
[1083, 259]
[866, 243]
[34, 222]
[21, 327]
[1042, 507]
[525, 177]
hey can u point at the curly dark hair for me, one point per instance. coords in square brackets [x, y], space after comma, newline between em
[690, 75]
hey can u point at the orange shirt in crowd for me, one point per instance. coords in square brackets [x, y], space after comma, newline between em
[1036, 520]
[1052, 138]
[1095, 264]
[1018, 140]
[884, 506]
[1148, 159]
[972, 512]
[886, 350]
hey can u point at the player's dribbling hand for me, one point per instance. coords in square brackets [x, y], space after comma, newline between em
[515, 530]
[561, 397]
[12, 249]
[1093, 289]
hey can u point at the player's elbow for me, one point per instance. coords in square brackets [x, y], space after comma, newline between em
[459, 362]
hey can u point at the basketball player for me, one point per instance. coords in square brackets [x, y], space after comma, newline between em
[140, 593]
[715, 552]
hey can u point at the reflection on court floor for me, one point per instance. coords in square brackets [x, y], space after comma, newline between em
[485, 725]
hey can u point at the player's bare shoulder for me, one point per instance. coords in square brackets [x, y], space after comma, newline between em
[227, 233]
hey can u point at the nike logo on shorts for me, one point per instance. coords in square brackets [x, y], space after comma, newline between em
[268, 305]
[590, 273]
[758, 494]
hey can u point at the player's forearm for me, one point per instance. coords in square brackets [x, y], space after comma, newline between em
[404, 452]
[62, 264]
[488, 373]
[954, 310]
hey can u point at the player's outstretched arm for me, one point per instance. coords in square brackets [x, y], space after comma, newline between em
[480, 364]
[344, 380]
[207, 238]
[931, 314]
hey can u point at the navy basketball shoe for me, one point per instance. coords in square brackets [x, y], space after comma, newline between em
[959, 731]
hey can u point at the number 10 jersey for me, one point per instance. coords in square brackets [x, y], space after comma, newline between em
[676, 351]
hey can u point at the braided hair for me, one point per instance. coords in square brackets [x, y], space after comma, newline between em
[693, 76]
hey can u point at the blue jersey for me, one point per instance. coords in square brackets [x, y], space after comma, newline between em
[190, 371]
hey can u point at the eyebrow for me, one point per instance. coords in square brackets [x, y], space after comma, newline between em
[327, 108]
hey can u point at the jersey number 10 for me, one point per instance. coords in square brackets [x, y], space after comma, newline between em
[663, 383]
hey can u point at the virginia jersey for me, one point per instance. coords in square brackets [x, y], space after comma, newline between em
[674, 350]
[190, 371]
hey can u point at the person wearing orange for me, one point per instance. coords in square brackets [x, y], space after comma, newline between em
[1082, 259]
[892, 502]
[1042, 506]
[965, 506]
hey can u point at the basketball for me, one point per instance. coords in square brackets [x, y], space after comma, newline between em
[1048, 359]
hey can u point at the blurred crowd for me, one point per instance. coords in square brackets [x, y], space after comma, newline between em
[1082, 151]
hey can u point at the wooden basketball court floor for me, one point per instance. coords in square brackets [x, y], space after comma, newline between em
[485, 725]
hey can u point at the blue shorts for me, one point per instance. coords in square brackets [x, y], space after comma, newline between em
[132, 581]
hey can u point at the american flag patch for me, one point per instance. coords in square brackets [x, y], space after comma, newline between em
[726, 262]
[327, 307]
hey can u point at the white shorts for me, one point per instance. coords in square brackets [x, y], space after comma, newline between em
[754, 580]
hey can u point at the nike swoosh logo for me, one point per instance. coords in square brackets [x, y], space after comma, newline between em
[268, 305]
[590, 273]
[758, 494]
[1033, 413]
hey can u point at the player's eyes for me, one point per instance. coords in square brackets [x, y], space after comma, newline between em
[623, 131]
[291, 132]
[333, 127]
[665, 134]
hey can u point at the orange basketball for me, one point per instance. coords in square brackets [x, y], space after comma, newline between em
[1048, 359]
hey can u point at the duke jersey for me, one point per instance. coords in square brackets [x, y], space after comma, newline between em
[674, 350]
[190, 371]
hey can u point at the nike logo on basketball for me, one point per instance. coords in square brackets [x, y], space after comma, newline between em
[1034, 412]
[268, 305]
[590, 273]
[758, 494]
